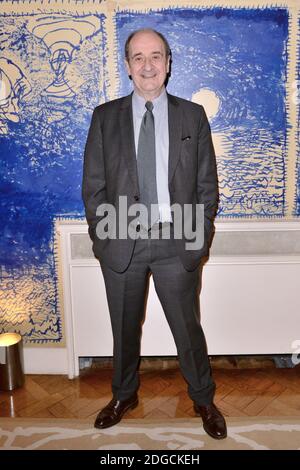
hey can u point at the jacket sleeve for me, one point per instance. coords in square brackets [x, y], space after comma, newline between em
[207, 179]
[93, 183]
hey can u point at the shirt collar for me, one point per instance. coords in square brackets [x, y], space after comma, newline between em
[139, 102]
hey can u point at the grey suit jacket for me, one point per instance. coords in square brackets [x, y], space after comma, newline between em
[110, 171]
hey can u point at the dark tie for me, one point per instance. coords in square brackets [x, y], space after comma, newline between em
[146, 164]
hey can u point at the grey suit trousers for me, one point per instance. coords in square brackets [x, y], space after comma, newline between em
[178, 292]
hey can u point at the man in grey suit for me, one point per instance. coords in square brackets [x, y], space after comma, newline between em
[154, 151]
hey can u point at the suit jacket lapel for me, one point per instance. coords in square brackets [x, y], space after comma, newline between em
[175, 131]
[127, 136]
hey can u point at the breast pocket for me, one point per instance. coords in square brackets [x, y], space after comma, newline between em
[189, 153]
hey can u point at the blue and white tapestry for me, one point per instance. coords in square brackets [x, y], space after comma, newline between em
[57, 63]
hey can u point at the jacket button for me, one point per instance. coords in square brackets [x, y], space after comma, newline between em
[136, 198]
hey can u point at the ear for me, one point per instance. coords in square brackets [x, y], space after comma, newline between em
[127, 66]
[168, 64]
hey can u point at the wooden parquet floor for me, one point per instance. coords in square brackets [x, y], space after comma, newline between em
[264, 391]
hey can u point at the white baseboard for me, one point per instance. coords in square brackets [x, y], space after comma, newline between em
[45, 361]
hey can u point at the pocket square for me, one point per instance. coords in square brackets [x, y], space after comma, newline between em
[186, 138]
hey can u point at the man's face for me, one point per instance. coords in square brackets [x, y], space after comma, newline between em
[147, 64]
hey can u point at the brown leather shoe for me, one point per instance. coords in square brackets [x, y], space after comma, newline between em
[114, 411]
[213, 421]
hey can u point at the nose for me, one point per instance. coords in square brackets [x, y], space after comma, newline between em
[148, 63]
